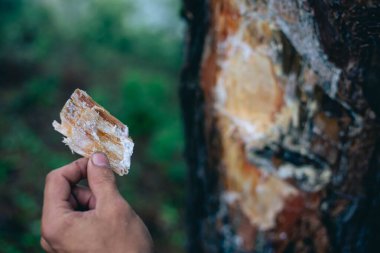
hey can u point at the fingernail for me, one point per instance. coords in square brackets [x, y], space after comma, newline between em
[99, 159]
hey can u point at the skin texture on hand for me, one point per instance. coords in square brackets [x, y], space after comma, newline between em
[94, 219]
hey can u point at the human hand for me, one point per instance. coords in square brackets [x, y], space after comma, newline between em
[107, 224]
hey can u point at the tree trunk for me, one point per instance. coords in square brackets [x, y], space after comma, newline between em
[282, 125]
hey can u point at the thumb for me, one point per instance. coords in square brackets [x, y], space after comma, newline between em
[100, 178]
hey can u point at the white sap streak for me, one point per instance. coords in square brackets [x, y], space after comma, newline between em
[301, 32]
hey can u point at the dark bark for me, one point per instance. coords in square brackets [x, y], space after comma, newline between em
[350, 35]
[192, 101]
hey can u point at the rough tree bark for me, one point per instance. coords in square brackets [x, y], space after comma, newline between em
[281, 108]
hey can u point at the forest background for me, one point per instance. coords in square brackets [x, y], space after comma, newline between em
[127, 55]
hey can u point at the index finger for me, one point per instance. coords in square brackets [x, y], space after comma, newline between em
[58, 185]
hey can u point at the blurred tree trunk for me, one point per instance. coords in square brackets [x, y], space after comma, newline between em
[281, 108]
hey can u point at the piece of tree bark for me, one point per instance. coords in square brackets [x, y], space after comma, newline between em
[281, 111]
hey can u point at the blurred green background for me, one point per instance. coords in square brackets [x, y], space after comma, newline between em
[127, 55]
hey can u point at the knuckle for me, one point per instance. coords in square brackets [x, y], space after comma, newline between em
[68, 223]
[43, 244]
[77, 164]
[50, 177]
[48, 231]
[52, 231]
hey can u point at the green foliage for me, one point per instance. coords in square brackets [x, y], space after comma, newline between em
[129, 63]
